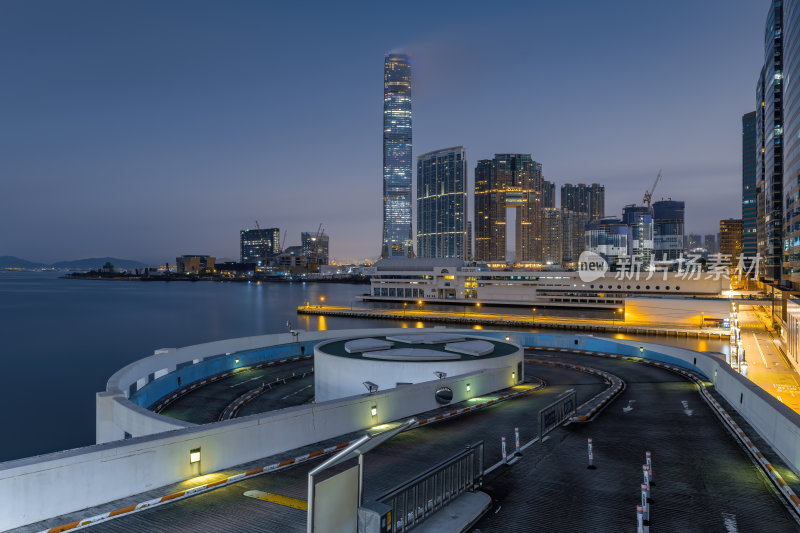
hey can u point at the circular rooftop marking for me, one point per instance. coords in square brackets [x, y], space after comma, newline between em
[412, 354]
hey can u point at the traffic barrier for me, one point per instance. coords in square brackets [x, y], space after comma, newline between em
[516, 442]
[503, 445]
[591, 457]
[649, 464]
[176, 496]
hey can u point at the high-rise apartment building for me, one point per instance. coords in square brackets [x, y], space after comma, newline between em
[508, 181]
[442, 204]
[769, 144]
[315, 247]
[552, 235]
[695, 241]
[589, 199]
[548, 194]
[397, 240]
[668, 228]
[749, 200]
[710, 243]
[791, 148]
[256, 245]
[730, 239]
[573, 228]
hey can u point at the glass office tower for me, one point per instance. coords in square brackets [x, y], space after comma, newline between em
[442, 204]
[396, 157]
[769, 145]
[668, 223]
[749, 184]
[791, 165]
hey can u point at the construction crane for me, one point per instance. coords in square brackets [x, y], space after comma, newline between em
[648, 195]
[263, 242]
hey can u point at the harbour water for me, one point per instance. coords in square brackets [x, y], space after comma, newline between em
[62, 339]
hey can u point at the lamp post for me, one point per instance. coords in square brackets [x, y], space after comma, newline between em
[404, 308]
[702, 319]
[533, 315]
[614, 317]
[321, 300]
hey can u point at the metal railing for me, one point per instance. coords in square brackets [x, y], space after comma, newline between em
[417, 499]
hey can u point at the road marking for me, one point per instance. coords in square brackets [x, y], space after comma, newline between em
[277, 498]
[295, 392]
[629, 408]
[686, 408]
[245, 381]
[730, 522]
[755, 339]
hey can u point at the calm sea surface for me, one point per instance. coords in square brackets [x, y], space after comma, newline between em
[60, 340]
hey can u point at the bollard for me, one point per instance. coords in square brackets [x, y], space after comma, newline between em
[646, 474]
[639, 520]
[503, 442]
[649, 462]
[516, 438]
[591, 457]
[645, 506]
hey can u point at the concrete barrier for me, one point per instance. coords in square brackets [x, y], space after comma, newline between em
[40, 487]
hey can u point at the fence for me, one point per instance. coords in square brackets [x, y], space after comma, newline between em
[417, 499]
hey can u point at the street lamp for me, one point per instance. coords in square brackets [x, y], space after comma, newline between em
[321, 300]
[702, 319]
[533, 315]
[404, 308]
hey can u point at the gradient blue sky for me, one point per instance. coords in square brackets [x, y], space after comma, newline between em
[150, 129]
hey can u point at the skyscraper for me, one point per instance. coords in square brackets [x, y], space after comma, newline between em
[508, 181]
[730, 239]
[791, 113]
[769, 144]
[548, 194]
[552, 236]
[255, 245]
[573, 226]
[710, 243]
[442, 203]
[639, 219]
[749, 202]
[668, 223]
[589, 199]
[396, 156]
[315, 247]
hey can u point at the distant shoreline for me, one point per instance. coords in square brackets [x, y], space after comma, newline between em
[101, 276]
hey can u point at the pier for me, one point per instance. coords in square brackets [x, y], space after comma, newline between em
[478, 320]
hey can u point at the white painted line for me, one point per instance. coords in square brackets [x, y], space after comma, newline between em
[755, 339]
[730, 523]
[295, 392]
[243, 382]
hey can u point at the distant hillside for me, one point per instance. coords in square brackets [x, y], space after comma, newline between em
[98, 262]
[9, 261]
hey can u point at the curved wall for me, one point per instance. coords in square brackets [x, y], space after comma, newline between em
[84, 477]
[337, 377]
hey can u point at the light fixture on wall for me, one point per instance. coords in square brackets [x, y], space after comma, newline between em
[371, 387]
[440, 375]
[374, 410]
[194, 456]
[469, 387]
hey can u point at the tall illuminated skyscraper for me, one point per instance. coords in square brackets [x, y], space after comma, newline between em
[508, 181]
[442, 204]
[397, 239]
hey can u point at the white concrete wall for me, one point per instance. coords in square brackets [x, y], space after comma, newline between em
[41, 487]
[338, 377]
[674, 311]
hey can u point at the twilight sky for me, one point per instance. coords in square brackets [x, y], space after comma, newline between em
[151, 129]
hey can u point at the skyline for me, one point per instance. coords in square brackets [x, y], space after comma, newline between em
[151, 144]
